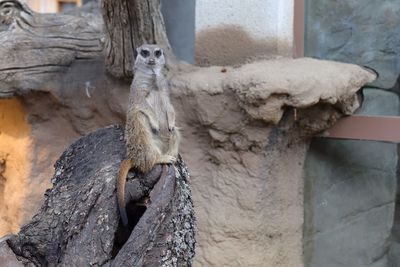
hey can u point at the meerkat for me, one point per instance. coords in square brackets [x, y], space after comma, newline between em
[150, 133]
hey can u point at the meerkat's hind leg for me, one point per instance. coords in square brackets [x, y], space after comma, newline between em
[142, 147]
[151, 117]
[173, 143]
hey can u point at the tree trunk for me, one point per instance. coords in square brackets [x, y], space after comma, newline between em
[128, 25]
[78, 224]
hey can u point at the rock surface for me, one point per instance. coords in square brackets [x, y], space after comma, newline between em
[350, 193]
[364, 33]
[7, 256]
[247, 173]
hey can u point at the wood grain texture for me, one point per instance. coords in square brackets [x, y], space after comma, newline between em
[37, 49]
[78, 224]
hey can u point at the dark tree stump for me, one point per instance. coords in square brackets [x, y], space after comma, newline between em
[79, 223]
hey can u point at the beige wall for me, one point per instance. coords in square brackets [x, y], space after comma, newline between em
[233, 32]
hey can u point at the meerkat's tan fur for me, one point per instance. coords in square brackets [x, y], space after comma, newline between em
[150, 133]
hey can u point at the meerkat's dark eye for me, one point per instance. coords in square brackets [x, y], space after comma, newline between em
[144, 53]
[158, 53]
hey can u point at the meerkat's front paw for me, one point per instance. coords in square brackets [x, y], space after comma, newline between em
[167, 159]
[172, 159]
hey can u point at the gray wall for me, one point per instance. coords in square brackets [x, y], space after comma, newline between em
[350, 189]
[351, 186]
[364, 32]
[179, 16]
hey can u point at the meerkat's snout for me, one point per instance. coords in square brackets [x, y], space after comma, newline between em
[152, 61]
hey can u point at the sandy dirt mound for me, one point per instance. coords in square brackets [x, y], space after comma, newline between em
[247, 173]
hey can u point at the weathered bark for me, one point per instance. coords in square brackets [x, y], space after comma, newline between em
[128, 25]
[46, 45]
[78, 225]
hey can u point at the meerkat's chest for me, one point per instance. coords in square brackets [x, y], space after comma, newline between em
[158, 104]
[155, 100]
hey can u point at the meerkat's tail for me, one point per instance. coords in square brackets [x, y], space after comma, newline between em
[123, 172]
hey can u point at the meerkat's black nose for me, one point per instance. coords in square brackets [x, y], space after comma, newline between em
[152, 61]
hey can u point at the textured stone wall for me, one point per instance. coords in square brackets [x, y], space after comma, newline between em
[362, 32]
[350, 189]
[247, 173]
[351, 186]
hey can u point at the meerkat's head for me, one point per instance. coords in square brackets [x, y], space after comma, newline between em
[150, 57]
